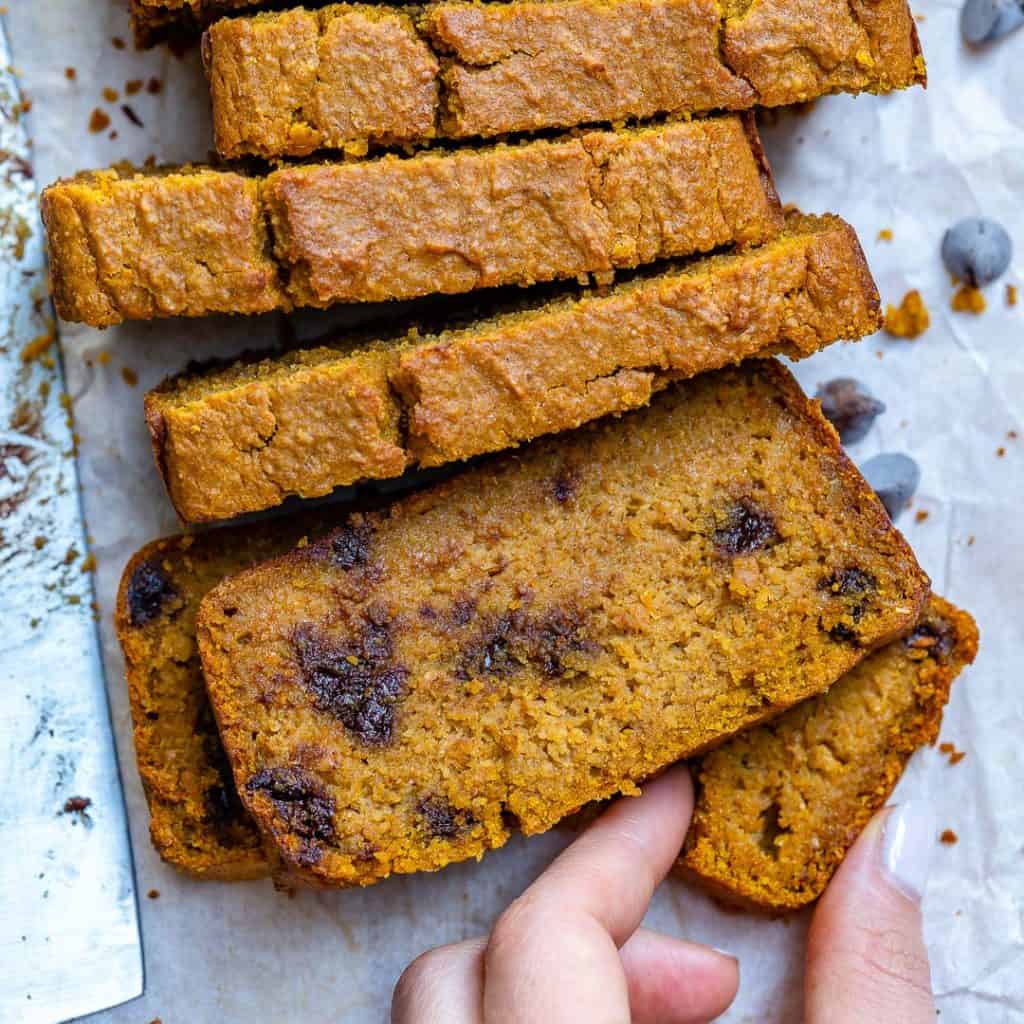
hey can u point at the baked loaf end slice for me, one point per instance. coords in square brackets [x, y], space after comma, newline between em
[240, 439]
[779, 806]
[549, 628]
[341, 77]
[130, 245]
[156, 20]
[197, 823]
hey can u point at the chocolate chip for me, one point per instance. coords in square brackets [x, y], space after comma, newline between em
[747, 528]
[848, 406]
[850, 582]
[443, 821]
[934, 637]
[516, 640]
[977, 250]
[148, 590]
[300, 800]
[350, 546]
[854, 587]
[983, 21]
[894, 478]
[357, 681]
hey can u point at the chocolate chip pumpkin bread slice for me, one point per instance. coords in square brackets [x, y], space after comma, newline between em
[197, 822]
[779, 806]
[129, 245]
[240, 439]
[549, 628]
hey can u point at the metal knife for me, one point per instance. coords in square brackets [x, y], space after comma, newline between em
[69, 936]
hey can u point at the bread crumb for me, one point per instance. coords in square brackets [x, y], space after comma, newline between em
[885, 235]
[89, 563]
[1011, 295]
[910, 320]
[117, 42]
[98, 121]
[133, 86]
[968, 300]
[110, 95]
[70, 74]
[131, 378]
[921, 515]
[153, 894]
[38, 347]
[1000, 451]
[949, 837]
[103, 358]
[949, 750]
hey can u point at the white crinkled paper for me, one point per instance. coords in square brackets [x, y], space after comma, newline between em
[912, 163]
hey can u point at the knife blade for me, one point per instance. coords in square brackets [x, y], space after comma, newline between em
[69, 936]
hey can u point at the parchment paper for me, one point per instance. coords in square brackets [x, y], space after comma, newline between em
[914, 163]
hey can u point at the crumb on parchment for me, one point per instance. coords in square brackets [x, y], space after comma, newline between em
[910, 319]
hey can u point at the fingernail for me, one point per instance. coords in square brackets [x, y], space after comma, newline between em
[908, 842]
[725, 952]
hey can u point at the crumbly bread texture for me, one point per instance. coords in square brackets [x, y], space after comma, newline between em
[196, 820]
[342, 77]
[352, 75]
[549, 628]
[129, 245]
[779, 806]
[240, 439]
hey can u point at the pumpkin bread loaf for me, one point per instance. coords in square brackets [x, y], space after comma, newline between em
[779, 806]
[126, 246]
[240, 439]
[549, 628]
[350, 75]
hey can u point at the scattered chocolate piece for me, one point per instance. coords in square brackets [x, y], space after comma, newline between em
[77, 804]
[747, 529]
[977, 250]
[848, 406]
[148, 589]
[984, 21]
[894, 478]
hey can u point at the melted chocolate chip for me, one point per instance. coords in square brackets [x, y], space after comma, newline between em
[850, 582]
[935, 637]
[350, 546]
[300, 800]
[855, 587]
[148, 589]
[510, 642]
[747, 528]
[357, 681]
[442, 820]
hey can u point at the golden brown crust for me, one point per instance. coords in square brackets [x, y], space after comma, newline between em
[481, 70]
[779, 806]
[343, 77]
[238, 440]
[196, 821]
[134, 246]
[129, 245]
[548, 628]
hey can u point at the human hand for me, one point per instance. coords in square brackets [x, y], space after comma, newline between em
[570, 949]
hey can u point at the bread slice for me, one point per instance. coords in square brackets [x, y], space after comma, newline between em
[129, 245]
[549, 628]
[779, 806]
[348, 76]
[197, 822]
[240, 439]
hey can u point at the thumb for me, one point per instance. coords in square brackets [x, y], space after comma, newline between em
[866, 958]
